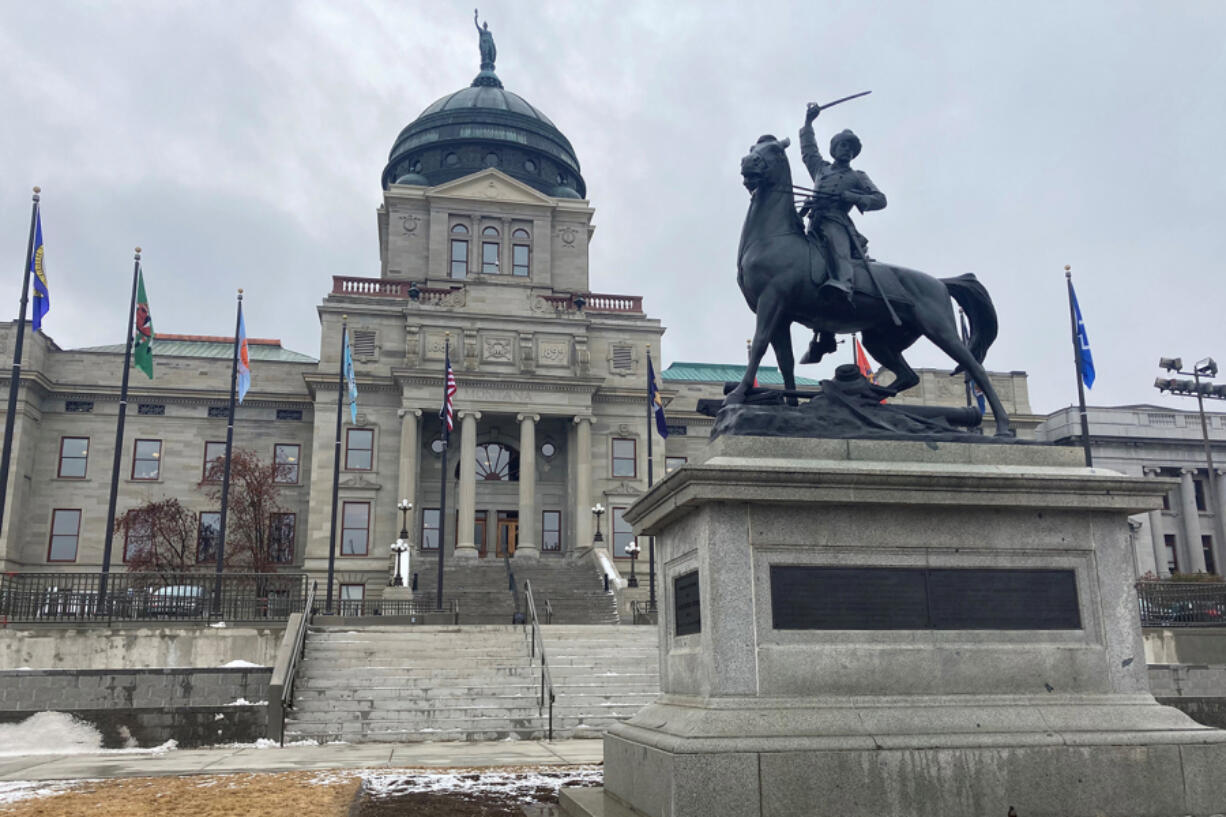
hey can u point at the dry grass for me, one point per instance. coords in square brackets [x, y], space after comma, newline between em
[290, 794]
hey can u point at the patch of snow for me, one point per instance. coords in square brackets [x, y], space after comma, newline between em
[245, 702]
[17, 790]
[219, 716]
[521, 785]
[218, 625]
[238, 662]
[58, 733]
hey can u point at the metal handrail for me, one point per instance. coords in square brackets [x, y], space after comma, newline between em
[287, 692]
[546, 679]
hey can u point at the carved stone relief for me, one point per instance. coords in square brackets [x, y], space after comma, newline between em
[409, 224]
[497, 349]
[554, 352]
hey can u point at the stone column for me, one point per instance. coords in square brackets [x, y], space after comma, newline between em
[410, 458]
[1191, 523]
[583, 484]
[1156, 540]
[1219, 522]
[466, 496]
[529, 545]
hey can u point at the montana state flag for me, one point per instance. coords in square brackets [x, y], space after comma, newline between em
[38, 271]
[653, 400]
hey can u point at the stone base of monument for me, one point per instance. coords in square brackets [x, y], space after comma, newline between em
[397, 593]
[900, 629]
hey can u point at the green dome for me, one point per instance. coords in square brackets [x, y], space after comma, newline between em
[483, 126]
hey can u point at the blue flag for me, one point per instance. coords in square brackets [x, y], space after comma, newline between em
[351, 381]
[654, 401]
[38, 271]
[1083, 343]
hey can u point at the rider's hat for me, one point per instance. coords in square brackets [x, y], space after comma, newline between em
[848, 135]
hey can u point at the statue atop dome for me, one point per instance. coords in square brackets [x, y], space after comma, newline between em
[489, 53]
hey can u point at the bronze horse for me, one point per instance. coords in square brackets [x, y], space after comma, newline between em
[779, 269]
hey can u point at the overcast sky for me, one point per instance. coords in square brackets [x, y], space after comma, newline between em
[241, 145]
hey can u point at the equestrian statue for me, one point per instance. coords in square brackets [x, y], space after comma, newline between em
[824, 279]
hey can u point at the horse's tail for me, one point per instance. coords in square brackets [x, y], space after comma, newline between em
[974, 299]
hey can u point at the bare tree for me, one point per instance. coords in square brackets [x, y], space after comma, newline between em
[256, 519]
[159, 537]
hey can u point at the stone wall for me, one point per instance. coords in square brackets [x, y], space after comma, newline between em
[1185, 645]
[100, 648]
[146, 707]
[1197, 690]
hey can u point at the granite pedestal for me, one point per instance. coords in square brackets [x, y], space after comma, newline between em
[899, 629]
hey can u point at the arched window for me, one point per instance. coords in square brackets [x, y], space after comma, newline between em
[490, 251]
[496, 463]
[520, 233]
[521, 251]
[490, 231]
[460, 228]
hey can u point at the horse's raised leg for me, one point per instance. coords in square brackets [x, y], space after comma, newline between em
[770, 312]
[886, 346]
[781, 342]
[947, 341]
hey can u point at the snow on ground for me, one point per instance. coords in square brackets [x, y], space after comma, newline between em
[522, 784]
[24, 790]
[238, 662]
[57, 733]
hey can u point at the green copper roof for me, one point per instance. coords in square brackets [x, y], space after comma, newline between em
[725, 372]
[222, 348]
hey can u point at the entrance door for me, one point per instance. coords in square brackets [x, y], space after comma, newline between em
[508, 532]
[479, 533]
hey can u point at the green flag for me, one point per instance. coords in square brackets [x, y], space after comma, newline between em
[142, 350]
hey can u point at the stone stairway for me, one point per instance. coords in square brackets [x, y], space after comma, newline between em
[574, 589]
[415, 683]
[423, 683]
[601, 675]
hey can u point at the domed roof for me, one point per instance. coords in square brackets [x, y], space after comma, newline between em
[483, 126]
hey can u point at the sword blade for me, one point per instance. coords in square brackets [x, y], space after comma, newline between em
[844, 99]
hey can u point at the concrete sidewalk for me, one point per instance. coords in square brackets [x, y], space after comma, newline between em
[222, 760]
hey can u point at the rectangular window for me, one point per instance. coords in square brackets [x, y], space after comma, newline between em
[623, 534]
[78, 406]
[74, 456]
[1172, 553]
[459, 258]
[353, 598]
[551, 530]
[429, 529]
[214, 461]
[359, 449]
[281, 530]
[219, 412]
[286, 455]
[1206, 544]
[355, 528]
[139, 539]
[489, 257]
[155, 409]
[147, 459]
[673, 463]
[519, 260]
[289, 414]
[364, 342]
[65, 531]
[207, 536]
[1166, 501]
[1198, 487]
[624, 458]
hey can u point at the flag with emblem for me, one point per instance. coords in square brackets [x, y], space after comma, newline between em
[1085, 361]
[654, 401]
[244, 357]
[142, 340]
[38, 271]
[351, 381]
[449, 390]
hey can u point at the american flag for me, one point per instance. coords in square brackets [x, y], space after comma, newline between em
[448, 412]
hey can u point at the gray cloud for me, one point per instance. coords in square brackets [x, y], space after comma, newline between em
[241, 145]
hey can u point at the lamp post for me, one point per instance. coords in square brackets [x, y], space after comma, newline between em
[632, 550]
[1202, 368]
[598, 511]
[401, 545]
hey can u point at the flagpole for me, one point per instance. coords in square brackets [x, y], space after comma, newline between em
[651, 540]
[442, 502]
[108, 542]
[10, 419]
[225, 476]
[1081, 390]
[336, 462]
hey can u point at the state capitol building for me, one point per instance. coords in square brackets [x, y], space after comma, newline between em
[484, 229]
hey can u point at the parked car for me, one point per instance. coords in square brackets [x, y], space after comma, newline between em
[177, 600]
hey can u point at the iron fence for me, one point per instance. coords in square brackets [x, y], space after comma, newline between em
[106, 598]
[1182, 604]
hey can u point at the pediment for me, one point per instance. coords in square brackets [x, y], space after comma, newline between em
[492, 185]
